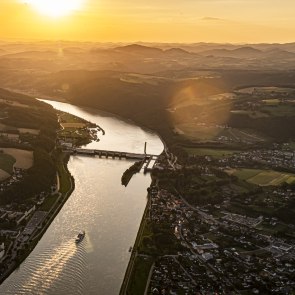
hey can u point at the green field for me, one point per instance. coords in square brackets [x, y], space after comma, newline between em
[202, 133]
[197, 132]
[273, 101]
[65, 180]
[215, 153]
[49, 202]
[265, 89]
[69, 118]
[244, 174]
[7, 162]
[263, 177]
[269, 229]
[279, 110]
[140, 271]
[291, 145]
[250, 113]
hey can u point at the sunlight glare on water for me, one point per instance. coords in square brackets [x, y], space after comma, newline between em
[109, 213]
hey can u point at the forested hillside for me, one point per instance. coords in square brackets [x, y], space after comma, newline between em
[35, 124]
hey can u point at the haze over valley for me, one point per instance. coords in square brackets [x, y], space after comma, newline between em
[147, 148]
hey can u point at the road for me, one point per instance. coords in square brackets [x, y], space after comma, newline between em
[149, 279]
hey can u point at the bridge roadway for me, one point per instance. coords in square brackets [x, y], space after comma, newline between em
[113, 154]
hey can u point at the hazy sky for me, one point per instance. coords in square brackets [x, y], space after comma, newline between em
[153, 20]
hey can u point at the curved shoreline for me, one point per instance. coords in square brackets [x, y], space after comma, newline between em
[129, 269]
[130, 265]
[108, 114]
[43, 230]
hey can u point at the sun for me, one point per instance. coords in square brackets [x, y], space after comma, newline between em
[55, 8]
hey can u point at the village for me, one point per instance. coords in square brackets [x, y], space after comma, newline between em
[227, 255]
[21, 224]
[277, 156]
[196, 248]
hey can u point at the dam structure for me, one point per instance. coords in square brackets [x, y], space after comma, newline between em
[148, 160]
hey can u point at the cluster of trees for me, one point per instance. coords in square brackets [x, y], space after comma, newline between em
[164, 240]
[127, 175]
[203, 197]
[286, 213]
[37, 179]
[41, 175]
[190, 185]
[279, 128]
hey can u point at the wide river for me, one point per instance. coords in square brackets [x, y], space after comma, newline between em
[109, 213]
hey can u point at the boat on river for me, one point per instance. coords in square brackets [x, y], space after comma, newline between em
[80, 237]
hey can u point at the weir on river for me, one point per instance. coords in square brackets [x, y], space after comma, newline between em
[148, 160]
[108, 153]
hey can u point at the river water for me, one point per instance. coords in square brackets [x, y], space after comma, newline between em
[109, 213]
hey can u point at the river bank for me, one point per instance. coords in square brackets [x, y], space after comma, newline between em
[67, 185]
[107, 114]
[125, 287]
[100, 205]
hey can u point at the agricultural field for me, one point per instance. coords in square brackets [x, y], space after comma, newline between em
[75, 129]
[273, 101]
[222, 96]
[6, 163]
[250, 90]
[69, 118]
[244, 174]
[29, 131]
[142, 79]
[49, 202]
[242, 135]
[73, 125]
[280, 110]
[291, 145]
[3, 114]
[203, 133]
[197, 132]
[23, 159]
[215, 153]
[4, 127]
[250, 113]
[13, 103]
[270, 229]
[3, 175]
[263, 177]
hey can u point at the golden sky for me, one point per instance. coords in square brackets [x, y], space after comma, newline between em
[235, 21]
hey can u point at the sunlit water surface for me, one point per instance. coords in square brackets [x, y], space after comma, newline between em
[109, 213]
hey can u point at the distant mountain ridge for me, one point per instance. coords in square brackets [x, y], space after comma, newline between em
[246, 51]
[136, 48]
[178, 51]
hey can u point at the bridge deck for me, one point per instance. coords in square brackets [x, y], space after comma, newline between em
[109, 153]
